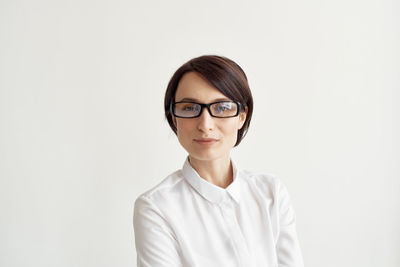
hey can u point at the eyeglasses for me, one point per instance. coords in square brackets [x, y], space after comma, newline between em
[222, 109]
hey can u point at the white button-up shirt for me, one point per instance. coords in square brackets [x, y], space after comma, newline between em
[187, 221]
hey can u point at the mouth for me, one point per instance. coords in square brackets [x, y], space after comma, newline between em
[205, 141]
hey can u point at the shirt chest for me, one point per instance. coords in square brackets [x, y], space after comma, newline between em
[227, 233]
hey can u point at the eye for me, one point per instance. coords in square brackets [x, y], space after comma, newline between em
[224, 109]
[188, 108]
[223, 106]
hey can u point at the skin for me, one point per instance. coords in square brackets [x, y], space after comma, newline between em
[208, 140]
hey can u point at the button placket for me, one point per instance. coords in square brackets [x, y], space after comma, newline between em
[228, 211]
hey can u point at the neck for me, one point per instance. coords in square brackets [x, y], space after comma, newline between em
[218, 172]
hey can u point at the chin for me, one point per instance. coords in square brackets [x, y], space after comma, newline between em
[206, 156]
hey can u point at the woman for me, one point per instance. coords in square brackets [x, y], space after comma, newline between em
[210, 213]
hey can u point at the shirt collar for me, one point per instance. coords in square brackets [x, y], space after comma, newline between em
[210, 191]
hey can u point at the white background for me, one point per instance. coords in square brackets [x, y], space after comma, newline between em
[82, 131]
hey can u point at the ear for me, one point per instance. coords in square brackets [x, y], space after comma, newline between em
[242, 118]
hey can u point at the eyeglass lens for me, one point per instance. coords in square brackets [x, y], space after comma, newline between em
[220, 109]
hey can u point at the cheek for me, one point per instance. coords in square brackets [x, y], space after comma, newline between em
[184, 128]
[230, 129]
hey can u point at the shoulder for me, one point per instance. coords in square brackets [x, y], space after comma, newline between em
[262, 180]
[157, 207]
[267, 184]
[168, 188]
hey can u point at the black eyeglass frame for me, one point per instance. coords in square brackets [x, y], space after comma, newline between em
[202, 106]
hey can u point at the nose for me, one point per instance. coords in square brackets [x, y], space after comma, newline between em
[205, 121]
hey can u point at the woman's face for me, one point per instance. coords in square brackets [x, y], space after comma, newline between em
[205, 138]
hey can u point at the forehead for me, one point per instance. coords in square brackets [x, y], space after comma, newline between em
[195, 87]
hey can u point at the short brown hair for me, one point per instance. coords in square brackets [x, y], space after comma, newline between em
[225, 75]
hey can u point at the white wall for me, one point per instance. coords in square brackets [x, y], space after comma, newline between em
[82, 132]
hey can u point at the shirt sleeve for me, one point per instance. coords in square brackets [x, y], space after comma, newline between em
[155, 243]
[287, 247]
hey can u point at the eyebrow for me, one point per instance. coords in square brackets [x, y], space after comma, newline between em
[196, 100]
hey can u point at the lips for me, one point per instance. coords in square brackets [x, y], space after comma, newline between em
[205, 141]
